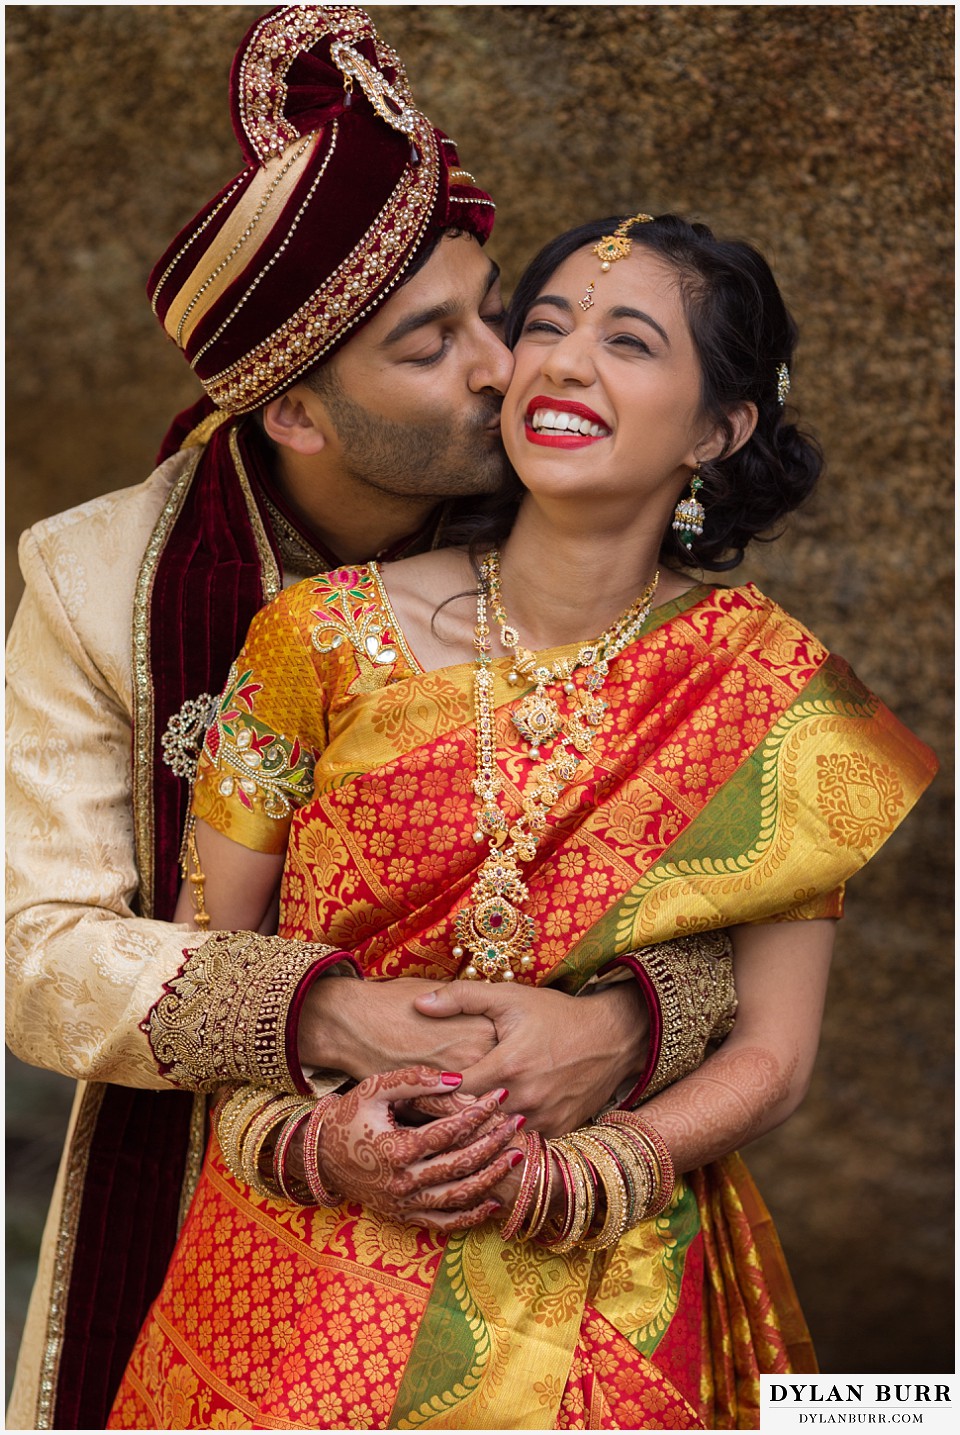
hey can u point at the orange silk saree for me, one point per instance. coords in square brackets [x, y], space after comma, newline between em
[742, 774]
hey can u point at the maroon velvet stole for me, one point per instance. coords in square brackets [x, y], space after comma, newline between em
[207, 587]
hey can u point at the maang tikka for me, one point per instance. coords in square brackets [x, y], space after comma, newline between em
[611, 248]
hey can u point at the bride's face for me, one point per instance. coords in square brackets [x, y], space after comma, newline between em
[605, 400]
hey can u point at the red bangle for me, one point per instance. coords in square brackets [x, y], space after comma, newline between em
[541, 1205]
[652, 999]
[294, 1191]
[311, 1152]
[528, 1177]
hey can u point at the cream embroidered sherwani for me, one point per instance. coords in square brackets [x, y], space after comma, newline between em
[82, 969]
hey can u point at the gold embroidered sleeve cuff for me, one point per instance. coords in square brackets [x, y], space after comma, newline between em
[688, 986]
[232, 1011]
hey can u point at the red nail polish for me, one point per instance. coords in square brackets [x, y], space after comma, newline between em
[521, 1122]
[503, 1096]
[450, 1078]
[515, 1158]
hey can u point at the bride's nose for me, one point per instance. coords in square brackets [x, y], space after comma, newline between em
[569, 360]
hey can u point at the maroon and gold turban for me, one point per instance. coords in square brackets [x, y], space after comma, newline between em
[347, 183]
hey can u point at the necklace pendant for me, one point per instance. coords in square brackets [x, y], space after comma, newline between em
[492, 930]
[494, 936]
[537, 718]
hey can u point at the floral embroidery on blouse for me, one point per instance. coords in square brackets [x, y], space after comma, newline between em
[350, 608]
[262, 769]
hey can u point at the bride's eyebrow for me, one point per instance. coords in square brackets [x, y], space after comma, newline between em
[556, 300]
[621, 312]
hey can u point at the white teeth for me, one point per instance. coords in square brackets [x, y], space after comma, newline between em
[559, 422]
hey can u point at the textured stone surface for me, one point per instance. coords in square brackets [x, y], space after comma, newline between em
[822, 134]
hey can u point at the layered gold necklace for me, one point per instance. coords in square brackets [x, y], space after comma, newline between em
[492, 929]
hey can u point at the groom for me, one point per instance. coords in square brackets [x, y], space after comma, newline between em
[338, 307]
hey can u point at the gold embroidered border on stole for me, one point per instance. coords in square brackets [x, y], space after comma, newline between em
[271, 579]
[92, 1098]
[88, 1109]
[143, 697]
[143, 707]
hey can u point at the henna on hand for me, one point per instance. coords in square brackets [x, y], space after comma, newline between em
[437, 1175]
[481, 1158]
[423, 1108]
[464, 1194]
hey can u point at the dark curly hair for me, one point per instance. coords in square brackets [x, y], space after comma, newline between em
[742, 332]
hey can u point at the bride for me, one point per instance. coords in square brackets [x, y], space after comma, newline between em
[513, 760]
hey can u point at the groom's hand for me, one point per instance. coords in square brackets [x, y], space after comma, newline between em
[560, 1057]
[364, 1028]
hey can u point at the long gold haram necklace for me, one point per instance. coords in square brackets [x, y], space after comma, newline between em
[492, 929]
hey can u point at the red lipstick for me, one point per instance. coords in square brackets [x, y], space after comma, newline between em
[561, 438]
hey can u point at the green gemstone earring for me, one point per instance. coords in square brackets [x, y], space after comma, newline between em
[689, 514]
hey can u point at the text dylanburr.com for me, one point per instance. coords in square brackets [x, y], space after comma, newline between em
[814, 1403]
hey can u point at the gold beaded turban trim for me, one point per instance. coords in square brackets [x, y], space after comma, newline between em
[346, 183]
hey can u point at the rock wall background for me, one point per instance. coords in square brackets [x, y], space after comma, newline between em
[820, 133]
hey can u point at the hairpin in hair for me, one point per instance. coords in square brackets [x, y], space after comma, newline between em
[783, 383]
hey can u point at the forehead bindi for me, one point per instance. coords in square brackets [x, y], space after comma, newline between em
[641, 286]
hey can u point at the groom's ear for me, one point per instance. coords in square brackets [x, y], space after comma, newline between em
[297, 420]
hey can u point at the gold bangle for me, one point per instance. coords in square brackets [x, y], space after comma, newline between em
[255, 1138]
[637, 1172]
[582, 1193]
[238, 1111]
[643, 1151]
[585, 1193]
[611, 1177]
[610, 1211]
[220, 1099]
[659, 1152]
